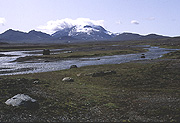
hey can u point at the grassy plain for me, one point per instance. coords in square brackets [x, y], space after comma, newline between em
[138, 92]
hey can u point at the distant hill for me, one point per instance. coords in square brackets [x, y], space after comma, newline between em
[77, 33]
[132, 36]
[18, 36]
[12, 35]
[72, 35]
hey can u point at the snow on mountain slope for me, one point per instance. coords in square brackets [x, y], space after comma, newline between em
[87, 32]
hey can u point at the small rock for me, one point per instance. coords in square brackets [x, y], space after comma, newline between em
[23, 100]
[68, 79]
[46, 52]
[109, 72]
[36, 82]
[79, 74]
[46, 61]
[142, 56]
[73, 66]
[22, 79]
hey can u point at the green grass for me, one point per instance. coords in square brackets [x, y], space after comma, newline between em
[172, 55]
[149, 91]
[96, 53]
[114, 94]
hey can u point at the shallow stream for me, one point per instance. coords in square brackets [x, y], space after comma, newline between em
[7, 67]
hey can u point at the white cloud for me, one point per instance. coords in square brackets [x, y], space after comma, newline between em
[2, 21]
[151, 18]
[134, 22]
[118, 22]
[56, 25]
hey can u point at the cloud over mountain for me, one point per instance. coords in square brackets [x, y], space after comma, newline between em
[53, 26]
[2, 21]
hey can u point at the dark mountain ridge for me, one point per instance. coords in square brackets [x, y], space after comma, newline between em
[18, 36]
[133, 36]
[73, 34]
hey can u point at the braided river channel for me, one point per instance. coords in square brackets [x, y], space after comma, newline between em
[8, 67]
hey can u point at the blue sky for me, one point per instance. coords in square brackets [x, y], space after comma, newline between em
[136, 16]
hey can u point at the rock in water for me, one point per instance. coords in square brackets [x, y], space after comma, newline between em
[68, 79]
[73, 66]
[46, 52]
[23, 100]
[143, 56]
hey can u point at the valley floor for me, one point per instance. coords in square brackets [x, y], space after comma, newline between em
[138, 91]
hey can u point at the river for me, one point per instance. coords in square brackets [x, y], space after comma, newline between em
[7, 67]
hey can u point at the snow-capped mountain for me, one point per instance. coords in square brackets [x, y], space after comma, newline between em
[72, 34]
[94, 32]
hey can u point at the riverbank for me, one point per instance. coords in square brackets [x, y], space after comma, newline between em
[136, 92]
[86, 52]
[30, 62]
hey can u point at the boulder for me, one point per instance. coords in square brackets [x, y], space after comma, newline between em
[46, 52]
[143, 56]
[68, 79]
[23, 100]
[73, 66]
[79, 74]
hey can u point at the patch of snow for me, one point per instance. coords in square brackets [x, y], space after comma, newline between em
[108, 32]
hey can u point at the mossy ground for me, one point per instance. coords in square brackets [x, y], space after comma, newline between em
[173, 55]
[137, 92]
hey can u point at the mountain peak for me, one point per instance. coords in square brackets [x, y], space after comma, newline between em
[11, 30]
[87, 32]
[32, 31]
